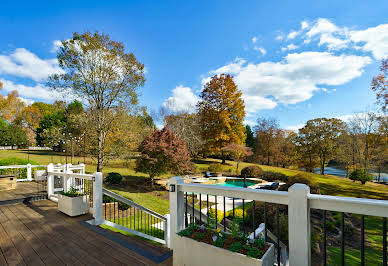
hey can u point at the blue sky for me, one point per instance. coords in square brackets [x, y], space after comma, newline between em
[293, 60]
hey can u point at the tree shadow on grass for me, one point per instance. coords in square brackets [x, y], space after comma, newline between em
[137, 184]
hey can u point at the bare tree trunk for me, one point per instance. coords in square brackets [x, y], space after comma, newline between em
[99, 151]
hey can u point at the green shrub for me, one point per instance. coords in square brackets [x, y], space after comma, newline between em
[360, 175]
[216, 168]
[114, 178]
[252, 171]
[273, 176]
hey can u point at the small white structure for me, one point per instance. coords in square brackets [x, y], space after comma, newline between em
[73, 206]
[190, 252]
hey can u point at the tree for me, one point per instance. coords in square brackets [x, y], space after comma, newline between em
[266, 130]
[221, 111]
[380, 85]
[163, 152]
[238, 152]
[186, 127]
[367, 124]
[97, 70]
[11, 106]
[250, 141]
[13, 135]
[322, 134]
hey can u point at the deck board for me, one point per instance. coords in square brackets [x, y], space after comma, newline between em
[37, 234]
[23, 190]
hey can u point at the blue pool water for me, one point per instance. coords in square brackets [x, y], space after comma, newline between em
[234, 184]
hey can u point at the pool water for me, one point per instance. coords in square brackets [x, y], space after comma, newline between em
[234, 184]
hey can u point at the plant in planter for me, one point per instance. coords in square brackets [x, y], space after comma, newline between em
[201, 245]
[73, 203]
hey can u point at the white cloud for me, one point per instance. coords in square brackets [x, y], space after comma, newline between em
[255, 39]
[38, 91]
[292, 35]
[296, 78]
[260, 49]
[257, 103]
[182, 100]
[250, 123]
[374, 40]
[289, 47]
[56, 45]
[329, 34]
[295, 128]
[279, 37]
[23, 63]
[304, 25]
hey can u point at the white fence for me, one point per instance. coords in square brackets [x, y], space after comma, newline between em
[29, 168]
[298, 199]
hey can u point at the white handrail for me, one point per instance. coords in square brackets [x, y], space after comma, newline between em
[299, 201]
[72, 175]
[279, 197]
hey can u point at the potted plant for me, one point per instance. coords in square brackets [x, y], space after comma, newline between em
[199, 245]
[73, 203]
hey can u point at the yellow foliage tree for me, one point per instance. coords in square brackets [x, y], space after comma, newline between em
[222, 113]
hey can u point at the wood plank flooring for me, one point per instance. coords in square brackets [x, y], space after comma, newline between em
[23, 190]
[37, 234]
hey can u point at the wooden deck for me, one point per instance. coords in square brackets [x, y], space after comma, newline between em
[37, 234]
[23, 190]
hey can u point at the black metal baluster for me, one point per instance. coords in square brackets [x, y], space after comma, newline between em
[362, 240]
[253, 220]
[138, 220]
[233, 208]
[278, 232]
[324, 239]
[216, 211]
[200, 208]
[186, 221]
[265, 221]
[343, 239]
[207, 205]
[224, 215]
[105, 211]
[129, 217]
[243, 218]
[193, 219]
[384, 241]
[114, 211]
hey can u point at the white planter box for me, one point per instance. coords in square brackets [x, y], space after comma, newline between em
[189, 252]
[73, 206]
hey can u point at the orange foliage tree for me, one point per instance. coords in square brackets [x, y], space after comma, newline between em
[222, 113]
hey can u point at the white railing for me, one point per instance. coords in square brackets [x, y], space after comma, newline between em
[298, 199]
[29, 168]
[134, 218]
[84, 183]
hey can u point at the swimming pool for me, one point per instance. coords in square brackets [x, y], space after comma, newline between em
[234, 184]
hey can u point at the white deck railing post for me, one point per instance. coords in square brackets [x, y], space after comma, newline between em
[177, 210]
[29, 172]
[299, 225]
[97, 198]
[50, 181]
[167, 226]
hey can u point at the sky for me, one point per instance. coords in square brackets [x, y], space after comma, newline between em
[292, 60]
